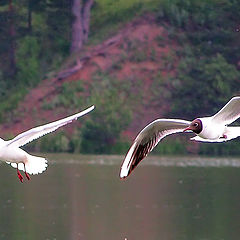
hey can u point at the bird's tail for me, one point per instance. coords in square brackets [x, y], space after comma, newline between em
[33, 165]
[232, 132]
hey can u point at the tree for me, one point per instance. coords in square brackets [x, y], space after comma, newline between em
[12, 38]
[112, 115]
[80, 27]
[204, 86]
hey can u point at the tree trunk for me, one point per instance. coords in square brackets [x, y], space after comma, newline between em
[29, 16]
[86, 19]
[12, 39]
[80, 27]
[77, 27]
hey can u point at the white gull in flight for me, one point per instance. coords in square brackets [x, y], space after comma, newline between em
[207, 129]
[11, 152]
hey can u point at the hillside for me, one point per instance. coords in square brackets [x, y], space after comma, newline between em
[136, 54]
[159, 63]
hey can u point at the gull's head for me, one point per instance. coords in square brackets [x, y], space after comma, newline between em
[196, 126]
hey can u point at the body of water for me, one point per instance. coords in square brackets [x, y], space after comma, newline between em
[82, 197]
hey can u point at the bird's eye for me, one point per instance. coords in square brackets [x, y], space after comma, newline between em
[195, 124]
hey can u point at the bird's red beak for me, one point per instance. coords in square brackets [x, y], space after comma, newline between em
[187, 129]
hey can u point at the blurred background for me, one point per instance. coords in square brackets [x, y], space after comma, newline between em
[136, 60]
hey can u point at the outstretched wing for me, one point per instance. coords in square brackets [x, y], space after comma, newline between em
[147, 139]
[37, 132]
[229, 113]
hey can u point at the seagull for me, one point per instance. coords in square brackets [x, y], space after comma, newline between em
[11, 153]
[207, 129]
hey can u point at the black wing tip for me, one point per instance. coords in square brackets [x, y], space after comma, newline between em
[123, 178]
[140, 152]
[126, 176]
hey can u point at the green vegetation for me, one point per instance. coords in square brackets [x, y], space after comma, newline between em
[208, 72]
[171, 146]
[27, 61]
[204, 85]
[57, 142]
[209, 56]
[204, 64]
[102, 132]
[229, 148]
[69, 96]
[108, 15]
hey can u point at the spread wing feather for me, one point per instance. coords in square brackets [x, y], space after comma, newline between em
[229, 113]
[147, 139]
[40, 131]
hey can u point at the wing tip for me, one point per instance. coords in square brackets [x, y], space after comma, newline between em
[92, 107]
[123, 175]
[236, 97]
[89, 109]
[125, 169]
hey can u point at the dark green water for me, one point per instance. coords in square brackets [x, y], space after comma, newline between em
[82, 198]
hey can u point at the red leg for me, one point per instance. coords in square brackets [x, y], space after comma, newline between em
[19, 174]
[26, 174]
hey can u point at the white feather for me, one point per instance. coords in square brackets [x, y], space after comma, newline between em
[18, 158]
[199, 139]
[127, 162]
[213, 129]
[33, 165]
[40, 131]
[147, 139]
[229, 113]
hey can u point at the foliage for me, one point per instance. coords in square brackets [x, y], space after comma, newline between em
[34, 39]
[112, 115]
[10, 103]
[204, 85]
[207, 75]
[2, 85]
[220, 149]
[208, 25]
[207, 56]
[69, 96]
[101, 133]
[171, 146]
[108, 16]
[27, 61]
[56, 142]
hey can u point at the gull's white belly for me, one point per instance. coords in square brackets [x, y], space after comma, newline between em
[12, 154]
[213, 132]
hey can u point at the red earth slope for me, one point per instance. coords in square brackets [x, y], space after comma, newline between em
[145, 46]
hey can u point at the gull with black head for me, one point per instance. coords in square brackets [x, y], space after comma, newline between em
[207, 129]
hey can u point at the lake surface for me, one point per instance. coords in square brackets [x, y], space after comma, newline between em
[82, 197]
